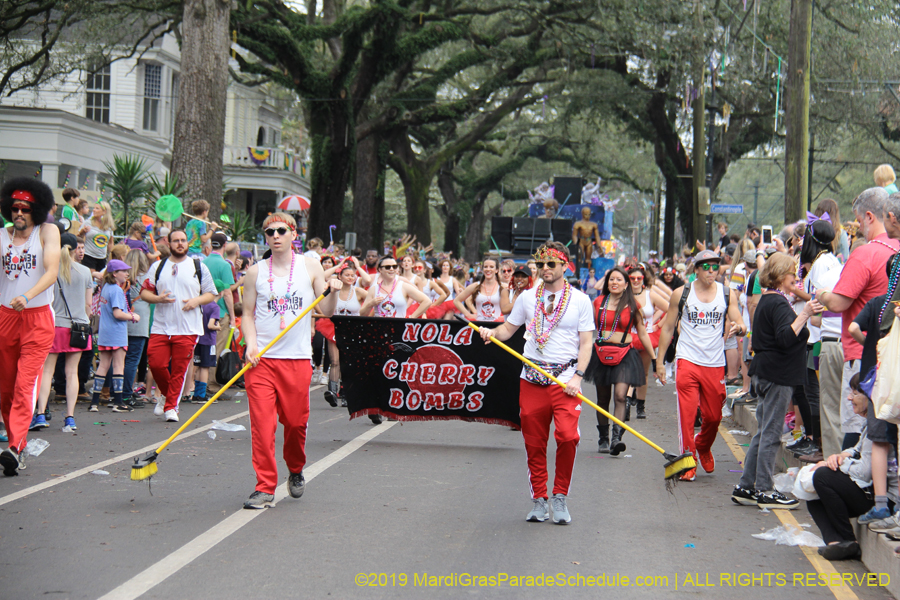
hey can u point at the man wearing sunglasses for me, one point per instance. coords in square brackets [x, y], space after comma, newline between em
[560, 333]
[277, 290]
[700, 355]
[179, 286]
[30, 258]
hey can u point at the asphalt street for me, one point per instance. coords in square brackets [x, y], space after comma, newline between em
[399, 510]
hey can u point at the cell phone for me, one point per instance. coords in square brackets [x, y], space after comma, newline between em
[767, 234]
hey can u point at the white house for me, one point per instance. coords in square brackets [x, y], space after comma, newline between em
[65, 131]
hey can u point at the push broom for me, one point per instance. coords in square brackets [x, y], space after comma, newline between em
[145, 467]
[675, 464]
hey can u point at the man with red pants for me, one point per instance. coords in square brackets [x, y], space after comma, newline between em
[280, 288]
[700, 357]
[178, 286]
[30, 258]
[560, 333]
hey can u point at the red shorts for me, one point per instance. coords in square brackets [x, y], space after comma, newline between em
[654, 339]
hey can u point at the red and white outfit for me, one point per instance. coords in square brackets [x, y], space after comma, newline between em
[487, 308]
[170, 350]
[647, 312]
[538, 404]
[279, 386]
[394, 303]
[25, 337]
[700, 375]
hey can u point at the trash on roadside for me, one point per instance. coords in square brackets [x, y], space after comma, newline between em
[689, 546]
[784, 482]
[101, 423]
[726, 412]
[227, 426]
[738, 432]
[211, 434]
[791, 536]
[35, 446]
[99, 472]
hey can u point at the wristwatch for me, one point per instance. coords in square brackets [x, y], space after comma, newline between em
[580, 373]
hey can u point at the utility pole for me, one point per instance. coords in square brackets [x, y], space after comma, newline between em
[796, 172]
[701, 192]
[756, 203]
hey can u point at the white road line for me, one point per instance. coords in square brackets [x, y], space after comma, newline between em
[171, 564]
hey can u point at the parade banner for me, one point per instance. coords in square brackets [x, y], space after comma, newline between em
[423, 370]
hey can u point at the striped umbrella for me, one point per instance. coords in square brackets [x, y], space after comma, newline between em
[294, 203]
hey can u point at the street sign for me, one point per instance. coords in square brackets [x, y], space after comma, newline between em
[727, 209]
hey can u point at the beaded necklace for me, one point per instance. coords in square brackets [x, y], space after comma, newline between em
[280, 305]
[383, 309]
[602, 327]
[542, 324]
[892, 287]
[16, 259]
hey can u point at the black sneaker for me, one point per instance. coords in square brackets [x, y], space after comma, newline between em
[744, 497]
[330, 398]
[9, 460]
[377, 419]
[296, 484]
[776, 499]
[847, 549]
[259, 500]
[122, 408]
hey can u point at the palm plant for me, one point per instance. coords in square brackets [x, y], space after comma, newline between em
[242, 226]
[169, 185]
[128, 181]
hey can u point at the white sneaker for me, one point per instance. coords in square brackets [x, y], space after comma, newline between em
[323, 378]
[160, 408]
[172, 415]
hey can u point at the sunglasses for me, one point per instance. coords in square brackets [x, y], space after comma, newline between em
[550, 264]
[708, 266]
[636, 277]
[506, 270]
[271, 231]
[25, 210]
[389, 267]
[419, 268]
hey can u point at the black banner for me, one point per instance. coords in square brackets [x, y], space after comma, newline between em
[422, 370]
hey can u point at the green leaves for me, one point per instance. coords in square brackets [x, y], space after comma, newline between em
[129, 184]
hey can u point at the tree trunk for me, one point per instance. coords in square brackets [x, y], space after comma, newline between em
[450, 211]
[475, 231]
[796, 171]
[368, 194]
[416, 181]
[333, 146]
[199, 137]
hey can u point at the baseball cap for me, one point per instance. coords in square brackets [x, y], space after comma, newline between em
[116, 265]
[218, 240]
[750, 257]
[67, 239]
[520, 270]
[163, 231]
[706, 256]
[246, 254]
[730, 248]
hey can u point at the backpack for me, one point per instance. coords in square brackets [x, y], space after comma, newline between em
[162, 263]
[670, 352]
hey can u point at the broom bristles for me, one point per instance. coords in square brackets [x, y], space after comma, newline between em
[144, 472]
[679, 465]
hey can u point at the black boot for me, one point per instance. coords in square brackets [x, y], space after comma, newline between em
[331, 396]
[604, 438]
[640, 409]
[616, 445]
[627, 409]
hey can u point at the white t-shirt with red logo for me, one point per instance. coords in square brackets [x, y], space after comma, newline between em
[180, 280]
[702, 340]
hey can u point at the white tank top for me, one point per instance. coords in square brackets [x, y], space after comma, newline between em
[450, 288]
[22, 267]
[487, 308]
[272, 301]
[430, 291]
[702, 339]
[646, 312]
[349, 307]
[394, 303]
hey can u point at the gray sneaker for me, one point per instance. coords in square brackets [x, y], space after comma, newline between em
[259, 500]
[560, 510]
[889, 525]
[540, 512]
[296, 484]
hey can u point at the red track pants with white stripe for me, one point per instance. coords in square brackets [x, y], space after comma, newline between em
[278, 387]
[538, 405]
[169, 358]
[704, 386]
[25, 341]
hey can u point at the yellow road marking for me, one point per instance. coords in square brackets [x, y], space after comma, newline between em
[823, 566]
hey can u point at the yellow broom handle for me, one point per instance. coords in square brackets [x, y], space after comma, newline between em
[242, 371]
[580, 396]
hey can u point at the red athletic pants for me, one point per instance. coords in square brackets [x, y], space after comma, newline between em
[538, 405]
[278, 387]
[25, 341]
[704, 386]
[169, 358]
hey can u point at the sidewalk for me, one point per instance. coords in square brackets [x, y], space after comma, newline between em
[877, 551]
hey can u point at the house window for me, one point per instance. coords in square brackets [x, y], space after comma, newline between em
[152, 92]
[97, 86]
[261, 137]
